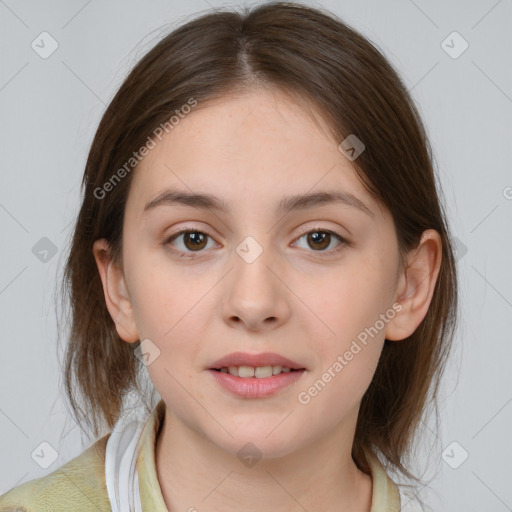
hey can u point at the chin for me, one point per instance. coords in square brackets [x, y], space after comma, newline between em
[254, 442]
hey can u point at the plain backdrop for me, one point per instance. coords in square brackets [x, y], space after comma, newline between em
[50, 107]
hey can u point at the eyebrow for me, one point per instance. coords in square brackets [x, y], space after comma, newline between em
[296, 202]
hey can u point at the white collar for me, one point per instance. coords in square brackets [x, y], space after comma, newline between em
[121, 475]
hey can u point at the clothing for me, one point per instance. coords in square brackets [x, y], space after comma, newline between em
[88, 482]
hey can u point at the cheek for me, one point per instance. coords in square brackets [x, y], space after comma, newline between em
[346, 360]
[161, 293]
[172, 308]
[354, 309]
[351, 300]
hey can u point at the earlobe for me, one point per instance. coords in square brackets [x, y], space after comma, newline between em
[115, 291]
[416, 286]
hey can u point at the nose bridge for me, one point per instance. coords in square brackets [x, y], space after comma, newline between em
[251, 250]
[252, 258]
[255, 233]
[255, 294]
[254, 291]
[256, 248]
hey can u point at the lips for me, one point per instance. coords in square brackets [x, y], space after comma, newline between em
[262, 359]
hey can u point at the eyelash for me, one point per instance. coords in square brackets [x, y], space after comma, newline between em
[190, 229]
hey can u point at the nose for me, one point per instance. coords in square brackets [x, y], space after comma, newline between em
[255, 294]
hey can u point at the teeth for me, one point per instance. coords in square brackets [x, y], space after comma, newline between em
[259, 372]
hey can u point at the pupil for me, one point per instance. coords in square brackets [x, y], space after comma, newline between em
[322, 235]
[196, 238]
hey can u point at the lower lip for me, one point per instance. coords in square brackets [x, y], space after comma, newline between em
[253, 387]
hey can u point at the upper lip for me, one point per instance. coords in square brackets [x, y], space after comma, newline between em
[262, 359]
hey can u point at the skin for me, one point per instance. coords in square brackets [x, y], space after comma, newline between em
[304, 301]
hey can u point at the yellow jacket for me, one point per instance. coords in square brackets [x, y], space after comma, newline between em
[80, 484]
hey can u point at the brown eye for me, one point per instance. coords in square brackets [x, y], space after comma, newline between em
[319, 239]
[192, 241]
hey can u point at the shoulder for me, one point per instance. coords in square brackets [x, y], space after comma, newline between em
[77, 485]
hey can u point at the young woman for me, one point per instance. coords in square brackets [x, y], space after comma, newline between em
[261, 232]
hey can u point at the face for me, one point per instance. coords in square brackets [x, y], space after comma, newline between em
[304, 282]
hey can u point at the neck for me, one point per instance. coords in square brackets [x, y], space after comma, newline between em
[194, 473]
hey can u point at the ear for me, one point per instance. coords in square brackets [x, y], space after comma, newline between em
[116, 294]
[416, 286]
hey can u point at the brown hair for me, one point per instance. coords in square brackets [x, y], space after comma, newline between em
[324, 63]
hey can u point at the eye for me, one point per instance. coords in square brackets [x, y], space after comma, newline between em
[193, 241]
[319, 239]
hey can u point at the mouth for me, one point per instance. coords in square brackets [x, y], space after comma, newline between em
[255, 383]
[262, 365]
[259, 372]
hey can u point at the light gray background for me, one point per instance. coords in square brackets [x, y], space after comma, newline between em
[50, 109]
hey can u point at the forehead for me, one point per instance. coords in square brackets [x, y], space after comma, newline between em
[244, 147]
